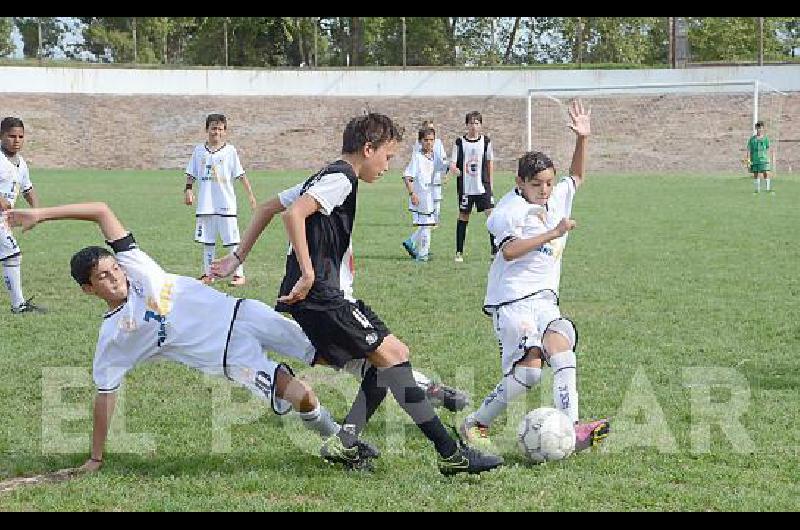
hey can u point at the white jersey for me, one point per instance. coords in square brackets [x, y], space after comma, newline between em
[14, 178]
[439, 157]
[473, 163]
[165, 317]
[423, 170]
[539, 269]
[215, 172]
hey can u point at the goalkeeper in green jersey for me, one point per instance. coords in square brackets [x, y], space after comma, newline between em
[759, 157]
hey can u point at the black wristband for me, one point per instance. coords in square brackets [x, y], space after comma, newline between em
[188, 187]
[237, 256]
[95, 459]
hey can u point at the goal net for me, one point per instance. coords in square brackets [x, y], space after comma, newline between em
[676, 128]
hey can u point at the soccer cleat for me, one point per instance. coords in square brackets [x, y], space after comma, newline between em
[467, 459]
[409, 246]
[367, 450]
[476, 434]
[423, 259]
[206, 279]
[334, 451]
[590, 433]
[445, 396]
[459, 258]
[238, 281]
[28, 307]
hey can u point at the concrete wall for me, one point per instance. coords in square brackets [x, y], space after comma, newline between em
[288, 119]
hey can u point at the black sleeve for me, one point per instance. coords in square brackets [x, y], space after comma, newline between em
[123, 244]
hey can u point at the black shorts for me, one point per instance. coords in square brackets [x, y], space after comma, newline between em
[481, 202]
[350, 331]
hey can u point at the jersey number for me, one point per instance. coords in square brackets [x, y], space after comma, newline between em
[162, 328]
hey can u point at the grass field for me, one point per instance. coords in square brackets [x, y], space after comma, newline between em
[684, 290]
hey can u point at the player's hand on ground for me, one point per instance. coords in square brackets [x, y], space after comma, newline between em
[224, 267]
[188, 198]
[580, 118]
[299, 291]
[90, 466]
[564, 226]
[414, 199]
[27, 219]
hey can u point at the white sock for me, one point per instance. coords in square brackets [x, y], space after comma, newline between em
[208, 257]
[769, 181]
[240, 269]
[513, 385]
[758, 184]
[13, 279]
[320, 421]
[415, 237]
[565, 387]
[424, 244]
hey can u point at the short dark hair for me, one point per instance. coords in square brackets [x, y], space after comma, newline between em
[376, 129]
[532, 163]
[10, 122]
[472, 116]
[425, 131]
[211, 118]
[759, 123]
[84, 261]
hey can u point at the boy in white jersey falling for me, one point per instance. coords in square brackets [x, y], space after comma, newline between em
[153, 314]
[530, 225]
[419, 178]
[14, 179]
[215, 164]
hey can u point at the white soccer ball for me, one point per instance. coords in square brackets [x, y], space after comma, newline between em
[546, 434]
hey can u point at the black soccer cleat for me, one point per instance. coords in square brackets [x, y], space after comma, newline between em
[367, 450]
[28, 307]
[468, 460]
[352, 458]
[448, 397]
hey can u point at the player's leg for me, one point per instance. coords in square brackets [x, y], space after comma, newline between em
[410, 244]
[11, 259]
[229, 234]
[521, 351]
[205, 233]
[559, 343]
[464, 209]
[486, 205]
[768, 181]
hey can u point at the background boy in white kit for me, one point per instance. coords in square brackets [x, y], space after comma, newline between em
[440, 156]
[215, 164]
[530, 225]
[419, 177]
[157, 315]
[14, 179]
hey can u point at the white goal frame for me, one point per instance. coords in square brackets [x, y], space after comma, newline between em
[748, 85]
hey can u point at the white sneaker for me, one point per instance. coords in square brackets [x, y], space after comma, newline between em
[459, 258]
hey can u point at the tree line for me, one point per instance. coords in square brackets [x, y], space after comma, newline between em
[396, 41]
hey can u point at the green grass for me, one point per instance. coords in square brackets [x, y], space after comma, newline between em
[676, 283]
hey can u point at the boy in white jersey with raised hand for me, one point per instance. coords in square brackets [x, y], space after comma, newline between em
[215, 164]
[530, 225]
[419, 177]
[14, 180]
[153, 314]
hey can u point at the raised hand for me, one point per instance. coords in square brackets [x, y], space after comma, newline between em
[580, 118]
[564, 226]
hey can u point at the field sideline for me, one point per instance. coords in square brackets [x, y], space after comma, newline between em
[683, 288]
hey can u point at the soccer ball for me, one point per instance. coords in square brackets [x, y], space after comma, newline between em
[546, 434]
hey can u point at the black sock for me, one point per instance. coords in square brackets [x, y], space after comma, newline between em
[491, 243]
[369, 398]
[461, 235]
[411, 398]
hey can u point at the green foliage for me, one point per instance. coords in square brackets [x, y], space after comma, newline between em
[6, 45]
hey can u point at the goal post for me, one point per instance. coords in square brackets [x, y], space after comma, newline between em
[666, 126]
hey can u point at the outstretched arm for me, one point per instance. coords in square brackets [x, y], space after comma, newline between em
[580, 119]
[262, 217]
[98, 212]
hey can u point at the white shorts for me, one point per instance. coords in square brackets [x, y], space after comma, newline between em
[208, 226]
[8, 243]
[423, 214]
[521, 325]
[257, 329]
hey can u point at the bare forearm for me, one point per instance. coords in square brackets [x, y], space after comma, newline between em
[97, 212]
[32, 198]
[519, 247]
[409, 184]
[295, 224]
[103, 411]
[262, 217]
[247, 187]
[578, 165]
